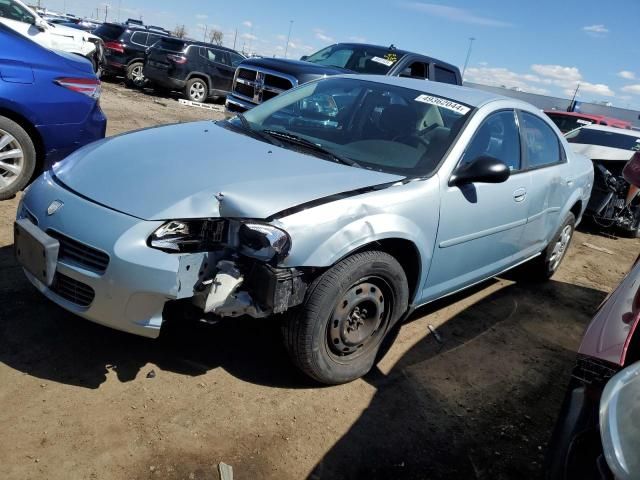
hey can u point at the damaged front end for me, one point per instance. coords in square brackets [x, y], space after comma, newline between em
[228, 267]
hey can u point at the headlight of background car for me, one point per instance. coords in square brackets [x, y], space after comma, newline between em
[263, 241]
[189, 236]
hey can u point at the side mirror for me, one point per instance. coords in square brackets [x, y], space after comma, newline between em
[619, 427]
[484, 169]
[40, 24]
[304, 58]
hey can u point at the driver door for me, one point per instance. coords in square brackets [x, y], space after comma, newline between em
[481, 224]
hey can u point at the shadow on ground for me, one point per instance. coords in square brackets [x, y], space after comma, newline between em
[482, 403]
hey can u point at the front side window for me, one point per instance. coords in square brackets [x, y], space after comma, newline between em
[152, 38]
[604, 138]
[497, 137]
[541, 143]
[378, 126]
[236, 59]
[14, 11]
[217, 56]
[357, 58]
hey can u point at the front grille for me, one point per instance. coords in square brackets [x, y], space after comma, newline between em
[73, 290]
[80, 254]
[257, 85]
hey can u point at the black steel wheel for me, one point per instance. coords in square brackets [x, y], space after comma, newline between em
[349, 310]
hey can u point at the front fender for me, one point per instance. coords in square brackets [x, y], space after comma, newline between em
[323, 235]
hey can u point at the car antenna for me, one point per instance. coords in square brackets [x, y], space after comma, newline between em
[392, 47]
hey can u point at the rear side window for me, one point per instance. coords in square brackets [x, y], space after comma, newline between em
[445, 75]
[172, 44]
[109, 32]
[139, 38]
[541, 143]
[497, 137]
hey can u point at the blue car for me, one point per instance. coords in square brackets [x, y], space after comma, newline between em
[344, 203]
[49, 107]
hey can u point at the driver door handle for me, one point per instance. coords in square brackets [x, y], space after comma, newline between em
[520, 194]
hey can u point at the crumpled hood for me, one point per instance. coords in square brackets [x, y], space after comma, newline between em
[175, 172]
[597, 152]
[79, 35]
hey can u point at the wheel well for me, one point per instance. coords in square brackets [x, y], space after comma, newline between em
[633, 351]
[201, 76]
[406, 253]
[33, 134]
[577, 209]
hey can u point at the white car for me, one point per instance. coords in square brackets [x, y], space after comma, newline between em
[18, 16]
[614, 203]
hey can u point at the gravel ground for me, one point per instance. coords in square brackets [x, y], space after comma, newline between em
[81, 401]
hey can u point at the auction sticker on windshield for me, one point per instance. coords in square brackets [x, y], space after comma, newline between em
[444, 103]
[382, 61]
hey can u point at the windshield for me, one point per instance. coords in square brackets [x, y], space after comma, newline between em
[566, 123]
[14, 11]
[357, 58]
[604, 139]
[372, 125]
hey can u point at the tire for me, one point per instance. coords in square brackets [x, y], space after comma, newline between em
[17, 158]
[196, 90]
[134, 77]
[334, 337]
[543, 267]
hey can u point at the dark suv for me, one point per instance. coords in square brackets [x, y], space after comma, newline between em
[200, 70]
[125, 44]
[259, 79]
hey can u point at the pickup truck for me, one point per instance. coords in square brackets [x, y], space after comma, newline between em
[260, 79]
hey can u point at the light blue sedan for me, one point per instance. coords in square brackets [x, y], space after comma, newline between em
[344, 204]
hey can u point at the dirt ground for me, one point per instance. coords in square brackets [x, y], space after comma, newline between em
[81, 401]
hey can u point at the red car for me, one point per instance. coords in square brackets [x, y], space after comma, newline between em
[567, 121]
[611, 343]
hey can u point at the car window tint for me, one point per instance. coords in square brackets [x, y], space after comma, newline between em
[416, 70]
[139, 38]
[235, 59]
[541, 143]
[497, 137]
[14, 11]
[604, 138]
[217, 56]
[152, 38]
[445, 75]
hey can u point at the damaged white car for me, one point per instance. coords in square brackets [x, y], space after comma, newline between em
[343, 204]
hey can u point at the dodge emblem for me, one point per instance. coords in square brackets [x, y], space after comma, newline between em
[54, 207]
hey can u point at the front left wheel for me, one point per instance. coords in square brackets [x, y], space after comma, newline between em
[334, 337]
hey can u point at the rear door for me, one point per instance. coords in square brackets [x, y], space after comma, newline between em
[165, 53]
[482, 224]
[219, 69]
[551, 185]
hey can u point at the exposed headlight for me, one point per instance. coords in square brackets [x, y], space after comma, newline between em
[189, 235]
[263, 241]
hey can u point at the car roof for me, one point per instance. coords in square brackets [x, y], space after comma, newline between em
[466, 95]
[603, 128]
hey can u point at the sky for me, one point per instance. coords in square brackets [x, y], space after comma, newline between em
[538, 46]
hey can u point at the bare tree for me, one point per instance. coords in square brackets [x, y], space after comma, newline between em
[216, 37]
[180, 31]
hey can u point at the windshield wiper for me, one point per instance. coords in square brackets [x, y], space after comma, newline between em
[295, 139]
[246, 126]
